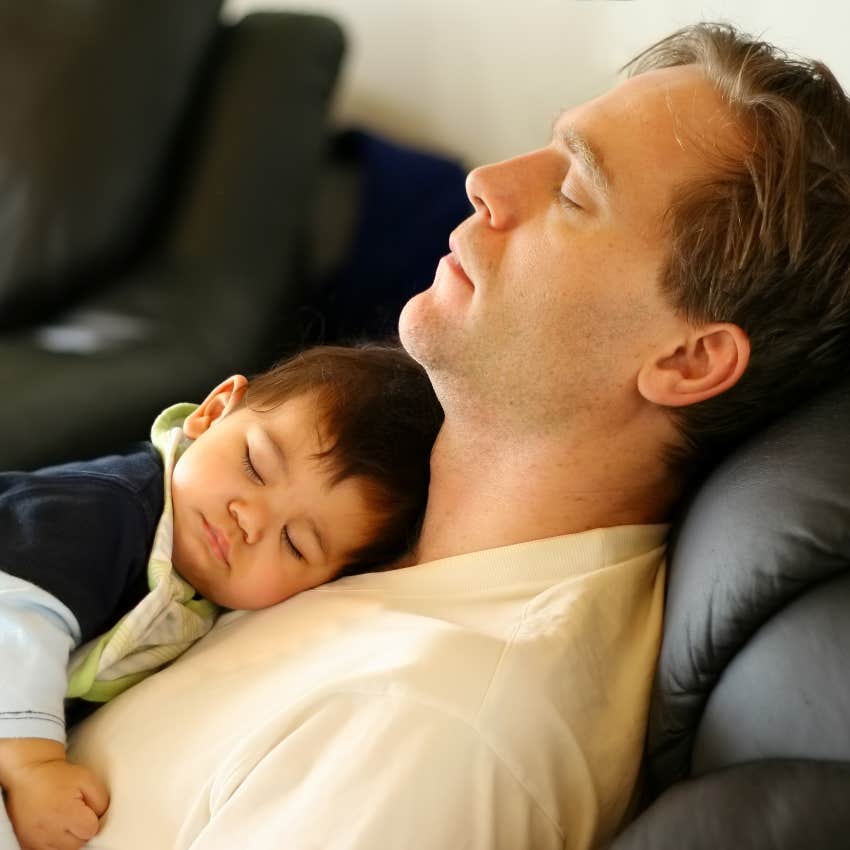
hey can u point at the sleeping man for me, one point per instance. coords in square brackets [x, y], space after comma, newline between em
[622, 305]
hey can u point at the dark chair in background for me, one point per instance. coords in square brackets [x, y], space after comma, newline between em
[158, 169]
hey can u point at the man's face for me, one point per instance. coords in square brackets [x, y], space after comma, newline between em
[256, 518]
[549, 301]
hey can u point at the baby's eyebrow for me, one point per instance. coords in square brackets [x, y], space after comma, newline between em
[267, 438]
[275, 446]
[319, 539]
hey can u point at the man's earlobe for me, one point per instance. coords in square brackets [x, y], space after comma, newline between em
[707, 363]
[224, 399]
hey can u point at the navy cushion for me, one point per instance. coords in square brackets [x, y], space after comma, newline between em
[408, 202]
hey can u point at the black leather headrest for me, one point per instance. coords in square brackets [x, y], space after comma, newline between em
[756, 630]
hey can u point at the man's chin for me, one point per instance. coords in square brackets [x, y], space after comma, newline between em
[407, 327]
[420, 333]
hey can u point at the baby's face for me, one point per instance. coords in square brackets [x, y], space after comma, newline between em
[256, 518]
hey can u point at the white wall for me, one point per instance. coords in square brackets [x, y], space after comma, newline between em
[483, 79]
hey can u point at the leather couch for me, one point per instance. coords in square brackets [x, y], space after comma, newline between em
[158, 169]
[749, 737]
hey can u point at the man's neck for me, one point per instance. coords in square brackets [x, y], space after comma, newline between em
[488, 491]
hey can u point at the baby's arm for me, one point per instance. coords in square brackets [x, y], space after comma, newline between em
[51, 803]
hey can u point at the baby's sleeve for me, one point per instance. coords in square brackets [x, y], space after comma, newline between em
[37, 634]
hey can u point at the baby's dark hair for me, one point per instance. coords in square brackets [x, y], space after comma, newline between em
[380, 415]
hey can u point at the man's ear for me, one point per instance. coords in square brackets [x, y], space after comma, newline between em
[706, 363]
[225, 398]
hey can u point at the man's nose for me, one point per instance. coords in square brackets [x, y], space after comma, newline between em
[493, 192]
[249, 517]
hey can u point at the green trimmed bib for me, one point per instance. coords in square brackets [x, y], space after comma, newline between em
[168, 620]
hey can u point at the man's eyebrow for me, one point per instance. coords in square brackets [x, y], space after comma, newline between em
[588, 157]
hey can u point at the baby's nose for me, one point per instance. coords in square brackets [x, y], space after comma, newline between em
[248, 517]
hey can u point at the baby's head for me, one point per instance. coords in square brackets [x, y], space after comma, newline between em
[315, 468]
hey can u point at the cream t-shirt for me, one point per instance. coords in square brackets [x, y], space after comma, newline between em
[490, 700]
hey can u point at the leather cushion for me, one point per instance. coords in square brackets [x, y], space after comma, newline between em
[769, 525]
[787, 692]
[93, 93]
[768, 805]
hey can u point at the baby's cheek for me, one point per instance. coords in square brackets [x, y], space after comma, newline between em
[179, 481]
[268, 586]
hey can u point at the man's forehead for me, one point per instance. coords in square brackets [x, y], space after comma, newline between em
[661, 117]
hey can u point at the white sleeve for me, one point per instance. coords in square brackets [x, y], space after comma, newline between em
[37, 633]
[369, 772]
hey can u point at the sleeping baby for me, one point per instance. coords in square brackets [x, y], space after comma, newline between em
[314, 469]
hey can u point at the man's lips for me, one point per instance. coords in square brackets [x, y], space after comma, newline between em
[218, 542]
[455, 263]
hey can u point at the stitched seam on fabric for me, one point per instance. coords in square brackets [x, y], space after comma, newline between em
[505, 649]
[384, 693]
[32, 715]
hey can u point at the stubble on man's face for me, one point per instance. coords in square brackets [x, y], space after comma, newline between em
[567, 303]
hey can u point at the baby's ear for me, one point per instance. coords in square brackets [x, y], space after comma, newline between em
[224, 399]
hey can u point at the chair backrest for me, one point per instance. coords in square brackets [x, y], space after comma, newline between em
[94, 96]
[133, 275]
[752, 692]
[756, 637]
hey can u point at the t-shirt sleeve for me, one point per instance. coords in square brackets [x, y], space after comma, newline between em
[37, 632]
[372, 772]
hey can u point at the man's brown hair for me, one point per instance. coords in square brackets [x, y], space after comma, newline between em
[379, 416]
[764, 241]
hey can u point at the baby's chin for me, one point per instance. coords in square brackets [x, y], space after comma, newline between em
[186, 571]
[221, 596]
